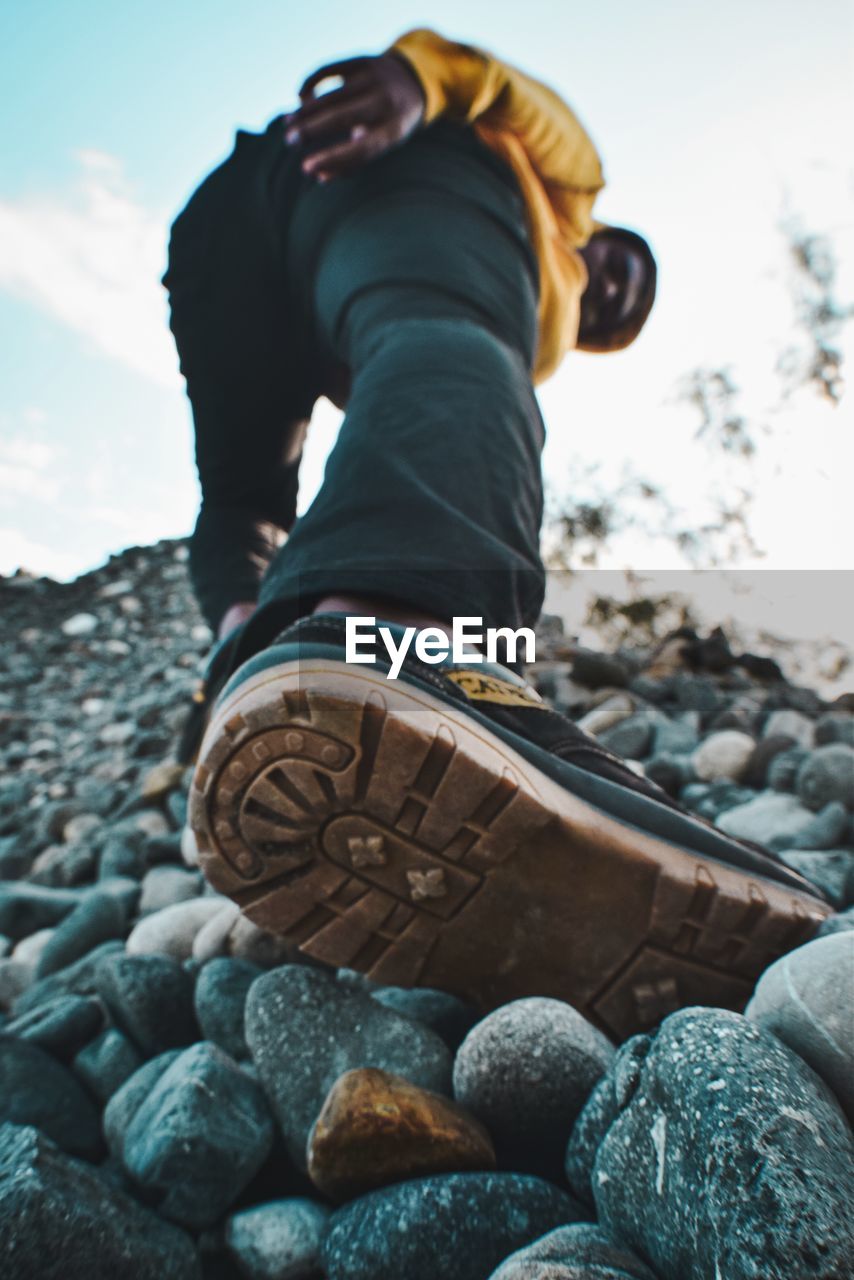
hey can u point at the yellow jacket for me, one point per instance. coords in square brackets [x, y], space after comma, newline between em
[555, 163]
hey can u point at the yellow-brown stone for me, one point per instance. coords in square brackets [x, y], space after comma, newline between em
[376, 1128]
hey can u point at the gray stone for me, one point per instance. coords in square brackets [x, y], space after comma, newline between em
[121, 856]
[36, 1089]
[60, 1026]
[98, 918]
[24, 908]
[839, 923]
[150, 999]
[773, 817]
[835, 726]
[807, 999]
[279, 1240]
[220, 998]
[199, 1137]
[304, 1029]
[105, 1063]
[129, 1097]
[597, 670]
[729, 1157]
[826, 775]
[783, 769]
[15, 978]
[631, 738]
[60, 1220]
[600, 1112]
[724, 755]
[580, 1252]
[789, 723]
[525, 1072]
[678, 736]
[459, 1226]
[447, 1015]
[165, 885]
[80, 978]
[670, 772]
[172, 930]
[828, 828]
[830, 870]
[764, 753]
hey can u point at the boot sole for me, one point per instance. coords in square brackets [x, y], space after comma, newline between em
[377, 828]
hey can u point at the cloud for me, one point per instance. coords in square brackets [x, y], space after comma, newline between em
[19, 551]
[26, 468]
[92, 257]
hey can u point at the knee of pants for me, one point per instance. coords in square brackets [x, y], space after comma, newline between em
[444, 351]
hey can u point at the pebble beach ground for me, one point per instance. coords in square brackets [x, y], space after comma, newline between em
[182, 1097]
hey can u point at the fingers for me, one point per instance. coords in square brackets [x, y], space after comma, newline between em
[344, 68]
[345, 157]
[334, 119]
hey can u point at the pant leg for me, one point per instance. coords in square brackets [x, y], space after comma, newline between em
[432, 494]
[247, 380]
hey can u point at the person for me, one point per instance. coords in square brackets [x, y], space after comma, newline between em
[418, 244]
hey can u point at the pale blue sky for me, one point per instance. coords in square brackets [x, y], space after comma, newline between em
[706, 116]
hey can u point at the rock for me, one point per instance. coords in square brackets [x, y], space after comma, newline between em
[129, 1097]
[172, 930]
[189, 847]
[678, 736]
[729, 1157]
[827, 775]
[725, 754]
[60, 1026]
[459, 1226]
[671, 773]
[830, 870]
[80, 826]
[828, 828]
[631, 738]
[79, 624]
[447, 1015]
[60, 1220]
[36, 1089]
[15, 977]
[835, 726]
[607, 714]
[600, 1112]
[806, 999]
[80, 979]
[525, 1072]
[121, 856]
[580, 1252]
[166, 886]
[98, 918]
[789, 723]
[597, 670]
[150, 999]
[24, 908]
[767, 749]
[772, 816]
[213, 938]
[279, 1240]
[783, 769]
[839, 923]
[220, 997]
[199, 1137]
[161, 779]
[304, 1029]
[29, 950]
[160, 850]
[117, 733]
[63, 866]
[247, 941]
[376, 1128]
[105, 1063]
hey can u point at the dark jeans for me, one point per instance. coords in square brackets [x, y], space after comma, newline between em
[418, 276]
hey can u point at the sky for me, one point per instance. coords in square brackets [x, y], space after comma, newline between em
[713, 121]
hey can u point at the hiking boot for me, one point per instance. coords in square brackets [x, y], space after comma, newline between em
[448, 829]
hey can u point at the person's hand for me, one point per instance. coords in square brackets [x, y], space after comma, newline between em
[378, 105]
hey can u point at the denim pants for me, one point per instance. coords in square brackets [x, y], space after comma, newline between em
[415, 277]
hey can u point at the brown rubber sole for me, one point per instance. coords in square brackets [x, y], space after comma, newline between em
[375, 827]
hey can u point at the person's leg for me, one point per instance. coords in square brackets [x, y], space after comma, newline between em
[248, 386]
[432, 495]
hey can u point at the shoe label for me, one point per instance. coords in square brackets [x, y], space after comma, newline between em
[491, 689]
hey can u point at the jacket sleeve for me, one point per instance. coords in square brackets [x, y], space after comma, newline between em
[467, 84]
